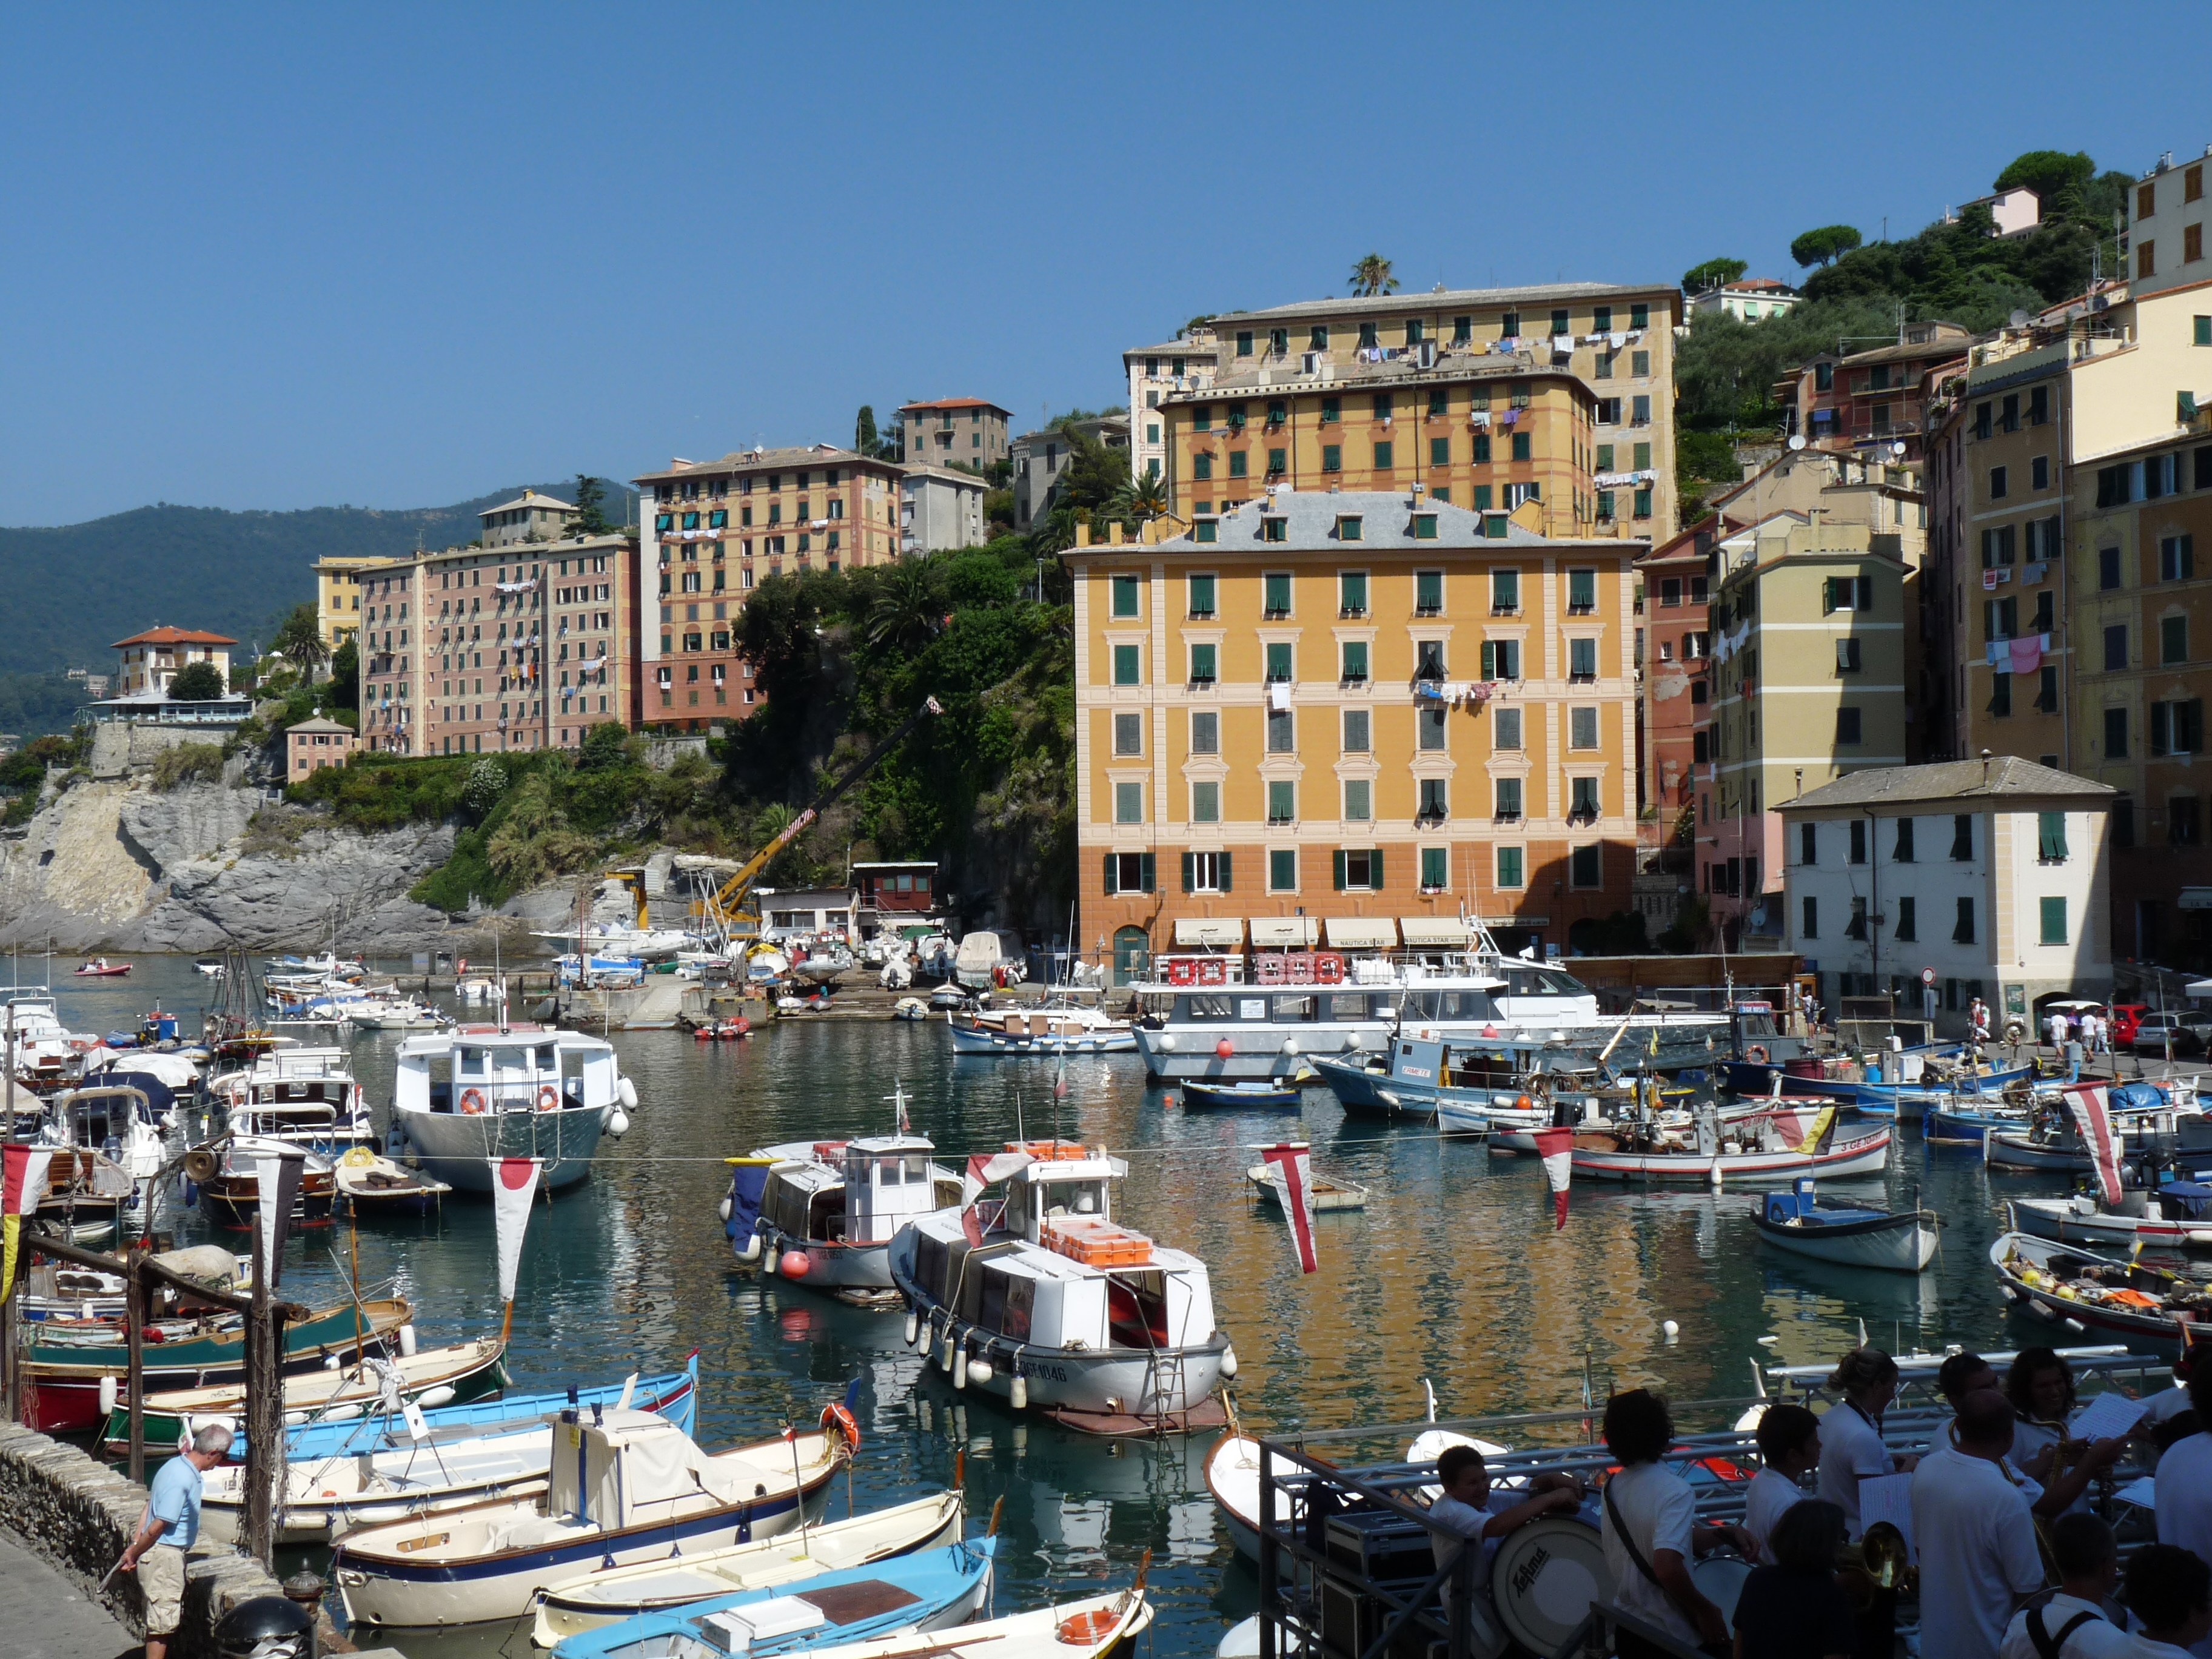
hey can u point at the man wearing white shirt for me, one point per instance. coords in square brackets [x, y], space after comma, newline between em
[2170, 1592]
[2077, 1622]
[1975, 1535]
[1788, 1450]
[2185, 1487]
[1650, 1531]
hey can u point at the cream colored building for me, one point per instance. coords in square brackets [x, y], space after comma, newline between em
[529, 517]
[1157, 372]
[153, 659]
[337, 595]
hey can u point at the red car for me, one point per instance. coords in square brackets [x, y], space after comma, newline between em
[2126, 1017]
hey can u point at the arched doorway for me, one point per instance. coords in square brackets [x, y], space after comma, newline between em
[1132, 954]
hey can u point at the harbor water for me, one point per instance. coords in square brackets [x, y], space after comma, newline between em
[1454, 1272]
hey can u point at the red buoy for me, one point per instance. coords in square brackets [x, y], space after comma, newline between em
[1226, 1048]
[795, 1264]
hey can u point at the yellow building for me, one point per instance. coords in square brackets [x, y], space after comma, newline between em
[1364, 708]
[337, 595]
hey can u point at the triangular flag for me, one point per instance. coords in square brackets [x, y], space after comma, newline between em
[2093, 1114]
[24, 1186]
[1294, 1176]
[514, 1183]
[988, 1172]
[1823, 1122]
[1557, 1148]
[275, 1190]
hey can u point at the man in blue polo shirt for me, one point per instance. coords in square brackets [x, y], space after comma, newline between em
[171, 1526]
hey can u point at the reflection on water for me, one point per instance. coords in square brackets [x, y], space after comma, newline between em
[1453, 1272]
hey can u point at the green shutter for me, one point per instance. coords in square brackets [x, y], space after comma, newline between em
[1828, 596]
[1222, 860]
[2054, 922]
[1189, 873]
[1375, 869]
[1110, 868]
[1145, 882]
[2050, 835]
[1336, 866]
[1489, 660]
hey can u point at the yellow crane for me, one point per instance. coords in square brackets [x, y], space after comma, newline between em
[724, 911]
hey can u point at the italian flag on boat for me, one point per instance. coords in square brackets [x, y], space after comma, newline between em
[24, 1186]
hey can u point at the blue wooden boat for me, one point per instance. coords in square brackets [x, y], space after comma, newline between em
[1247, 1095]
[932, 1589]
[1853, 1235]
[1958, 1124]
[1875, 1096]
[674, 1396]
[1468, 1088]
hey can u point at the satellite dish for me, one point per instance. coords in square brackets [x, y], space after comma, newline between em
[2019, 319]
[1898, 448]
[1796, 440]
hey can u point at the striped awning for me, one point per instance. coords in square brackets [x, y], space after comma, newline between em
[1362, 932]
[1279, 931]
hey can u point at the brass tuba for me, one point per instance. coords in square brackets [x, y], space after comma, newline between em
[1877, 1565]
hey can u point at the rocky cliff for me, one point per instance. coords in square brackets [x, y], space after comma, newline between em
[112, 864]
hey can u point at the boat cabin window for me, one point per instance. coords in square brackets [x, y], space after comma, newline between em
[902, 1171]
[1006, 1303]
[1449, 1004]
[1074, 1198]
[1347, 1006]
[1524, 980]
[1294, 1010]
[472, 1062]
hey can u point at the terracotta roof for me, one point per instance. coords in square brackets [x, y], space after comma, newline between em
[165, 635]
[754, 460]
[954, 403]
[319, 723]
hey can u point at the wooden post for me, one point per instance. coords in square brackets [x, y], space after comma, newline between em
[135, 1317]
[265, 1414]
[11, 1382]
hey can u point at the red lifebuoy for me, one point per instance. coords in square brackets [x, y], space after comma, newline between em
[1267, 968]
[1182, 970]
[1212, 970]
[1328, 967]
[1756, 1053]
[835, 1412]
[549, 1098]
[1088, 1630]
[472, 1100]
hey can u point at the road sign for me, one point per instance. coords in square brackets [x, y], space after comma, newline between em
[1926, 975]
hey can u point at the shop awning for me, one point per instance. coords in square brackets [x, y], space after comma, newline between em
[1296, 932]
[1209, 930]
[1433, 930]
[1362, 932]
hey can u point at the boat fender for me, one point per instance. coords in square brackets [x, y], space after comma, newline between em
[330, 1364]
[293, 1420]
[1018, 1391]
[106, 1395]
[472, 1101]
[2008, 1293]
[979, 1370]
[796, 1264]
[619, 1125]
[346, 1413]
[1165, 1043]
[407, 1341]
[960, 1365]
[913, 1326]
[1756, 1053]
[750, 1249]
[945, 1353]
[835, 1412]
[1228, 1361]
[1290, 1045]
[724, 1208]
[429, 1399]
[626, 1093]
[1225, 1049]
[2075, 1324]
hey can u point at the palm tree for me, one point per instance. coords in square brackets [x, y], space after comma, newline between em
[299, 641]
[905, 610]
[1149, 498]
[1371, 277]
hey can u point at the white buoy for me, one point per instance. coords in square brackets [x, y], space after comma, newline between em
[1165, 1042]
[1669, 1330]
[979, 1370]
[1228, 1361]
[725, 1209]
[1018, 1394]
[913, 1326]
[960, 1368]
[750, 1249]
[626, 1093]
[293, 1420]
[106, 1395]
[407, 1341]
[619, 1125]
[430, 1398]
[1290, 1045]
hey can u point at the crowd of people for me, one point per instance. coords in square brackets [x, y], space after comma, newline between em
[2012, 1561]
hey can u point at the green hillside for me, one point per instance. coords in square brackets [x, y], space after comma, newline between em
[74, 590]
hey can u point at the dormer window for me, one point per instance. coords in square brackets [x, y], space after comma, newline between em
[1274, 530]
[1425, 526]
[1204, 530]
[1347, 526]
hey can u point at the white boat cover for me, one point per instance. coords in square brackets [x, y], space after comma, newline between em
[1433, 930]
[1209, 930]
[1362, 932]
[1295, 931]
[633, 1464]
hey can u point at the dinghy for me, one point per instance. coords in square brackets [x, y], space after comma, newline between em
[674, 1396]
[625, 1488]
[372, 1186]
[1853, 1235]
[1249, 1094]
[2083, 1290]
[1772, 1145]
[935, 1590]
[601, 1598]
[1091, 1628]
[1266, 1180]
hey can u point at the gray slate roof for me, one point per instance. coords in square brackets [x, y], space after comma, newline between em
[1386, 521]
[1394, 303]
[2000, 776]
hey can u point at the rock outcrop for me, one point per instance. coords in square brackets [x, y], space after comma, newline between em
[111, 864]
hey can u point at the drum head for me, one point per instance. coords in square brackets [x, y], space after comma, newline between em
[1719, 1579]
[1546, 1577]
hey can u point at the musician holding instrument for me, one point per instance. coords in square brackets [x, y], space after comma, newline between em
[2081, 1620]
[1978, 1558]
[1651, 1533]
[1851, 1448]
[2052, 1492]
[2040, 1386]
[2183, 1496]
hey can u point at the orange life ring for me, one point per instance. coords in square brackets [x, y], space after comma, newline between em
[1756, 1053]
[549, 1098]
[1212, 970]
[1182, 970]
[472, 1100]
[835, 1412]
[1088, 1630]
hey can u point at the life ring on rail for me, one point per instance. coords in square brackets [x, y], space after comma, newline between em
[1088, 1630]
[835, 1412]
[1182, 970]
[1329, 968]
[1756, 1053]
[549, 1098]
[1212, 970]
[472, 1101]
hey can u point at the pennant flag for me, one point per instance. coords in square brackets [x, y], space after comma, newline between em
[25, 1183]
[1557, 1148]
[988, 1172]
[1816, 1137]
[2091, 1107]
[1294, 1175]
[514, 1183]
[275, 1190]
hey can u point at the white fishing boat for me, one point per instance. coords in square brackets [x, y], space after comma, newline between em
[601, 1597]
[376, 1185]
[1329, 1194]
[1775, 1144]
[1059, 1306]
[628, 1489]
[464, 1096]
[396, 1014]
[1851, 1234]
[302, 1095]
[1058, 1027]
[2178, 1214]
[824, 1212]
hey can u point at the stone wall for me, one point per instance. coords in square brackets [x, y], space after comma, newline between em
[81, 1514]
[122, 746]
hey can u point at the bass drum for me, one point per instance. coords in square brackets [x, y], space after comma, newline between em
[1546, 1577]
[1719, 1579]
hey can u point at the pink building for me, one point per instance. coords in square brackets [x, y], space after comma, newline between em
[312, 745]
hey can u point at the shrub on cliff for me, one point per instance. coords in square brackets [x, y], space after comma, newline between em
[188, 763]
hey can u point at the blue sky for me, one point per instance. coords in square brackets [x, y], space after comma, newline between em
[399, 255]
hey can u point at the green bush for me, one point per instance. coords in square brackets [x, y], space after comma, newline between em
[189, 763]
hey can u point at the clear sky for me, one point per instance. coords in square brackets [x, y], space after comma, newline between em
[398, 256]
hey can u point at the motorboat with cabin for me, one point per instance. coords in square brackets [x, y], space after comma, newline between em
[306, 1096]
[1039, 1296]
[465, 1096]
[43, 1053]
[824, 1212]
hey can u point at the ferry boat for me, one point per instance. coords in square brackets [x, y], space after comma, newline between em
[464, 1096]
[824, 1212]
[1059, 1306]
[1205, 1016]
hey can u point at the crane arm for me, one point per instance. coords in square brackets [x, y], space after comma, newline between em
[734, 891]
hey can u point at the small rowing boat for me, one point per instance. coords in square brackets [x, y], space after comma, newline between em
[1851, 1234]
[2077, 1287]
[2179, 1213]
[1267, 1180]
[1249, 1095]
[375, 1186]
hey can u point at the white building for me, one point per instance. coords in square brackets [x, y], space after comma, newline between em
[940, 509]
[1161, 371]
[1752, 301]
[1995, 873]
[2166, 227]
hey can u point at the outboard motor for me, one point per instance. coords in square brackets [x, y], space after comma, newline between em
[1708, 1120]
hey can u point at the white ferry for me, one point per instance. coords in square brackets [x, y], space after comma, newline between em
[463, 1097]
[1212, 1015]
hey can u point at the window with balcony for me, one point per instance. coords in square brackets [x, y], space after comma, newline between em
[1354, 663]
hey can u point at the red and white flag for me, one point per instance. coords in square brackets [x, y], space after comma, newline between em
[1294, 1176]
[987, 1171]
[514, 1184]
[276, 1178]
[23, 1186]
[2091, 1107]
[1557, 1148]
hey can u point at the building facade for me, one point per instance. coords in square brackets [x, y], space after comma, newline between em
[953, 432]
[1183, 364]
[2166, 227]
[529, 517]
[939, 510]
[1990, 877]
[715, 530]
[312, 745]
[1617, 338]
[337, 595]
[1365, 709]
[1874, 399]
[151, 660]
[1040, 457]
[1752, 300]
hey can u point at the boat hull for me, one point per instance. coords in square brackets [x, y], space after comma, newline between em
[2008, 1149]
[828, 1267]
[1372, 1094]
[2159, 1327]
[1897, 1243]
[977, 1040]
[1867, 1155]
[458, 1147]
[1956, 1128]
[2056, 1218]
[1204, 1097]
